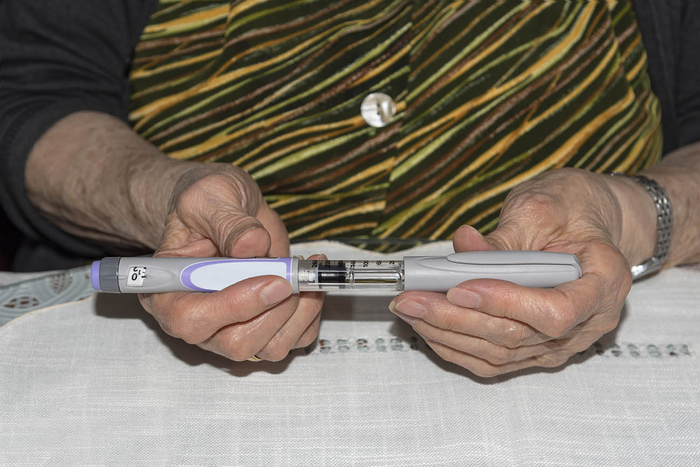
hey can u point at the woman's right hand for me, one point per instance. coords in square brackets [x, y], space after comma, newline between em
[218, 210]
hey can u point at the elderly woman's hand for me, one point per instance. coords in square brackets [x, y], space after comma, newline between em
[218, 210]
[493, 327]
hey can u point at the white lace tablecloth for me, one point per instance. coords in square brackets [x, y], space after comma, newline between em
[96, 382]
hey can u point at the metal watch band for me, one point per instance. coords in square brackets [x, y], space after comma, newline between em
[664, 226]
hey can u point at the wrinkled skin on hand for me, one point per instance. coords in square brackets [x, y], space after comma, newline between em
[492, 327]
[218, 210]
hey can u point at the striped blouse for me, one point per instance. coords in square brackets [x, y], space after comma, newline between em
[487, 94]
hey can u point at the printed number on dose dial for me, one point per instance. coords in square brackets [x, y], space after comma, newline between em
[136, 276]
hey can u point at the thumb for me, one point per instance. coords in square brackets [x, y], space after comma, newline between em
[218, 204]
[240, 236]
[467, 238]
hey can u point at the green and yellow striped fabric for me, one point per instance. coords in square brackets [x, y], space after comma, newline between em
[488, 94]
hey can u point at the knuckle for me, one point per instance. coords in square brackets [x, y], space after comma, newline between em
[613, 322]
[557, 329]
[562, 320]
[500, 355]
[450, 320]
[581, 346]
[534, 205]
[239, 182]
[224, 180]
[276, 353]
[515, 196]
[307, 339]
[238, 353]
[481, 369]
[180, 325]
[514, 335]
[625, 283]
[235, 348]
[188, 322]
[190, 196]
[552, 360]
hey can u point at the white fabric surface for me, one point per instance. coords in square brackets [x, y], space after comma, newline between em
[97, 383]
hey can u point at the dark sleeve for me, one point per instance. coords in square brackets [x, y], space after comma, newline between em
[671, 35]
[688, 79]
[57, 58]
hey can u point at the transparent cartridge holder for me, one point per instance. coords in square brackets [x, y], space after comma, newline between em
[314, 275]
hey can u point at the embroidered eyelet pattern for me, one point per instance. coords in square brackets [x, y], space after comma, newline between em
[60, 282]
[25, 302]
[19, 298]
[396, 344]
[364, 345]
[632, 350]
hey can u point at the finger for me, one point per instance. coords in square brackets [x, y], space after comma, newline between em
[241, 341]
[310, 335]
[202, 248]
[481, 348]
[436, 310]
[284, 340]
[271, 221]
[467, 238]
[195, 317]
[301, 329]
[602, 288]
[549, 311]
[180, 240]
[530, 219]
[272, 335]
[243, 238]
[235, 233]
[485, 369]
[220, 204]
[577, 340]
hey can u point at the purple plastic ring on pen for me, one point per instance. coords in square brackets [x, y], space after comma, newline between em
[95, 275]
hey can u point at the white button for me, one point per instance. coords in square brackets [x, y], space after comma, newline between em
[378, 109]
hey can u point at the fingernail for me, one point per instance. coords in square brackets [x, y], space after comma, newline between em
[465, 298]
[410, 320]
[317, 256]
[275, 292]
[412, 308]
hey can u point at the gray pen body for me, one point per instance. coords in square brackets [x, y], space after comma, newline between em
[426, 273]
[526, 268]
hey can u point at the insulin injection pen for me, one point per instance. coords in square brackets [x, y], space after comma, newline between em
[426, 273]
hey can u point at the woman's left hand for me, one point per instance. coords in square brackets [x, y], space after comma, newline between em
[491, 327]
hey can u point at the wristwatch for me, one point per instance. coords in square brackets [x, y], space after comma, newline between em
[664, 225]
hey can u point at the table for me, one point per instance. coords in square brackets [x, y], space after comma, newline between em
[97, 382]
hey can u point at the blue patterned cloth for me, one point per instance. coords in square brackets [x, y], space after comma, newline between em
[53, 289]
